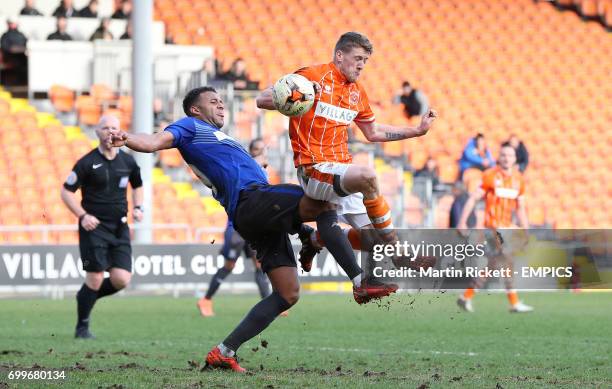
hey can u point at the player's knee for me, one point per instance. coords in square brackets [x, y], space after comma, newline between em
[292, 295]
[369, 180]
[94, 280]
[324, 206]
[121, 281]
[229, 265]
[327, 206]
[309, 208]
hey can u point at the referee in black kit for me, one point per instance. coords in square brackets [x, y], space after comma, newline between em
[104, 237]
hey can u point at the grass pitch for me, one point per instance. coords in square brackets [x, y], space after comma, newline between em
[419, 341]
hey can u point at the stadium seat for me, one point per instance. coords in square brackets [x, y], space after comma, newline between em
[88, 110]
[62, 98]
[102, 94]
[171, 158]
[588, 8]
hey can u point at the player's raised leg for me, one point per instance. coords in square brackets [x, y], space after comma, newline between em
[362, 179]
[338, 244]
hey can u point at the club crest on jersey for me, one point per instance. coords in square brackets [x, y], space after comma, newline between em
[327, 89]
[354, 97]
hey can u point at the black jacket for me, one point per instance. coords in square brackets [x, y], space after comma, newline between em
[65, 12]
[59, 36]
[86, 13]
[30, 11]
[412, 105]
[12, 38]
[522, 157]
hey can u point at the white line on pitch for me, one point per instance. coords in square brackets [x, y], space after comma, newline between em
[362, 350]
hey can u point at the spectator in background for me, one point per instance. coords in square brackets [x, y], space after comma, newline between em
[414, 101]
[207, 75]
[91, 11]
[128, 31]
[14, 61]
[430, 170]
[238, 76]
[65, 9]
[209, 69]
[124, 10]
[522, 155]
[29, 9]
[60, 33]
[460, 198]
[103, 31]
[476, 155]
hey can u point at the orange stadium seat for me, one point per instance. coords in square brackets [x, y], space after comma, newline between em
[88, 110]
[102, 93]
[418, 159]
[62, 98]
[5, 107]
[588, 8]
[171, 158]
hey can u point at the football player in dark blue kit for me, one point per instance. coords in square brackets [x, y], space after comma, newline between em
[233, 246]
[263, 214]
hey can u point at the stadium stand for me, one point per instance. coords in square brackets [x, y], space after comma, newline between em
[599, 10]
[554, 96]
[31, 176]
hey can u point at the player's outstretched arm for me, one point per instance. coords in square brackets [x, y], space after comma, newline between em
[375, 132]
[145, 143]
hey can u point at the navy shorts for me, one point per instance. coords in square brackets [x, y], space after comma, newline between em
[234, 244]
[265, 216]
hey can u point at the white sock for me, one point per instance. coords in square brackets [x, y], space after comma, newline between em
[226, 351]
[357, 281]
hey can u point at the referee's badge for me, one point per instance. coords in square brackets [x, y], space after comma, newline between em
[72, 178]
[123, 182]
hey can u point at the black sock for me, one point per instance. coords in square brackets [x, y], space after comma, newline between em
[216, 281]
[337, 243]
[258, 318]
[86, 298]
[305, 230]
[107, 288]
[262, 283]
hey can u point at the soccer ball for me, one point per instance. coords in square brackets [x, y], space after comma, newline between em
[293, 95]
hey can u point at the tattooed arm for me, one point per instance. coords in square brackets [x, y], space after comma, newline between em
[385, 133]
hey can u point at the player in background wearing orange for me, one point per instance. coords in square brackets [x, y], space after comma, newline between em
[503, 189]
[319, 139]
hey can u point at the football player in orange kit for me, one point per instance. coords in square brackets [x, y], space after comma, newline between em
[503, 189]
[319, 139]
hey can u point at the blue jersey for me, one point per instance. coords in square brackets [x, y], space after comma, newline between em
[217, 159]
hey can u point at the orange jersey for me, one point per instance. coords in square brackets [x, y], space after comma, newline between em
[502, 192]
[321, 134]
